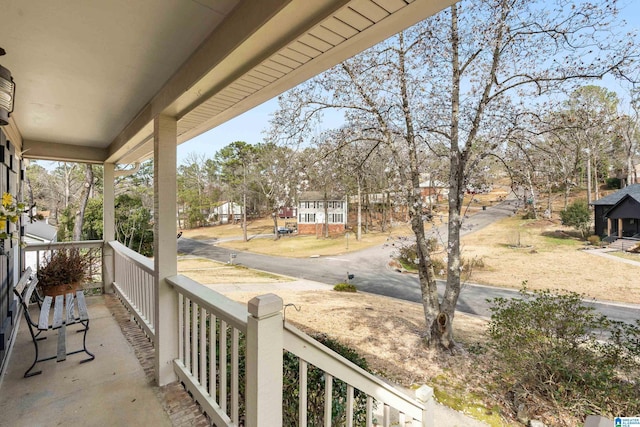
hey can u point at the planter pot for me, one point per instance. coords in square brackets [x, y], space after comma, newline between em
[54, 291]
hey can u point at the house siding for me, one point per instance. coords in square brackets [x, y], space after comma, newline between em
[8, 306]
[311, 207]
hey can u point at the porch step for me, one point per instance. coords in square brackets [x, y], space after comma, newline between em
[624, 244]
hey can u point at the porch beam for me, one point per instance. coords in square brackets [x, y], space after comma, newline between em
[63, 152]
[165, 247]
[109, 226]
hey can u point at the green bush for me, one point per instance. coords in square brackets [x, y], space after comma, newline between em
[613, 183]
[345, 287]
[578, 216]
[315, 390]
[315, 384]
[564, 353]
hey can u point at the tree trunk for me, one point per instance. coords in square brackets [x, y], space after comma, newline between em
[84, 199]
[275, 223]
[359, 230]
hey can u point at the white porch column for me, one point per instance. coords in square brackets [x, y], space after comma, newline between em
[109, 226]
[608, 226]
[165, 247]
[264, 362]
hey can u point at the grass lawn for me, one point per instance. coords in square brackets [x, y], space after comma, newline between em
[548, 257]
[208, 272]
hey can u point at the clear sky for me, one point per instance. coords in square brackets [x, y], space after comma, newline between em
[251, 126]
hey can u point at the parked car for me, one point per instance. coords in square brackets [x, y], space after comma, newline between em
[284, 230]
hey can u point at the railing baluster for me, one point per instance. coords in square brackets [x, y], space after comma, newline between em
[402, 419]
[302, 411]
[328, 392]
[369, 422]
[235, 373]
[212, 356]
[387, 416]
[194, 339]
[187, 335]
[181, 327]
[222, 366]
[203, 346]
[349, 414]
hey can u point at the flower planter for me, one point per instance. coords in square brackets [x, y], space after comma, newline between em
[54, 291]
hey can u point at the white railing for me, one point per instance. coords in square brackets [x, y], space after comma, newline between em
[209, 328]
[230, 358]
[133, 283]
[36, 254]
[363, 393]
[219, 340]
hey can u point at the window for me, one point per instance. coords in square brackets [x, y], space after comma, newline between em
[336, 218]
[308, 218]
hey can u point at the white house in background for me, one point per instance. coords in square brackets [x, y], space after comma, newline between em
[226, 212]
[37, 232]
[312, 208]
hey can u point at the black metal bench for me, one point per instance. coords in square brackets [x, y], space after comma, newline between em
[68, 309]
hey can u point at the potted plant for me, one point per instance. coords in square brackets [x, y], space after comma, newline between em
[63, 271]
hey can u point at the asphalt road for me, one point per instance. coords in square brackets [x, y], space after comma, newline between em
[372, 274]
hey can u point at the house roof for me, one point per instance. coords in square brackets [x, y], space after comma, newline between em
[627, 207]
[309, 196]
[632, 190]
[41, 230]
[91, 77]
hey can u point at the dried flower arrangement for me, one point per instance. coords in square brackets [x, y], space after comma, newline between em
[62, 271]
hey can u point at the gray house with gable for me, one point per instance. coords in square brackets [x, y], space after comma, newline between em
[618, 214]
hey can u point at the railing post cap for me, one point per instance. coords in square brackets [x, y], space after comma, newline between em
[265, 305]
[424, 393]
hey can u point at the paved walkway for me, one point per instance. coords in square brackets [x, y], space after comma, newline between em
[606, 253]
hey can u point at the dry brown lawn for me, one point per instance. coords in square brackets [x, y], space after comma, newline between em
[547, 256]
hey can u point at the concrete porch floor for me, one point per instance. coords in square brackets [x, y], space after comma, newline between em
[116, 388]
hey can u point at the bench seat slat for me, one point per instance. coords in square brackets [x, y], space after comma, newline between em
[82, 306]
[57, 311]
[70, 307]
[24, 281]
[43, 322]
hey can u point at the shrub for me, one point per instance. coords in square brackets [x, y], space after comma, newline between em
[594, 240]
[315, 390]
[345, 287]
[315, 385]
[578, 216]
[408, 254]
[613, 183]
[565, 354]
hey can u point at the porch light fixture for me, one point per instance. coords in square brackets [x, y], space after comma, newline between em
[7, 93]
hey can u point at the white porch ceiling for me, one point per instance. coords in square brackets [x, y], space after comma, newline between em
[91, 76]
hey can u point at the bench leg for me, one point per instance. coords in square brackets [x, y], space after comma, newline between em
[84, 343]
[35, 339]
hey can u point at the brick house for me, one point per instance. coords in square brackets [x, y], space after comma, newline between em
[317, 210]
